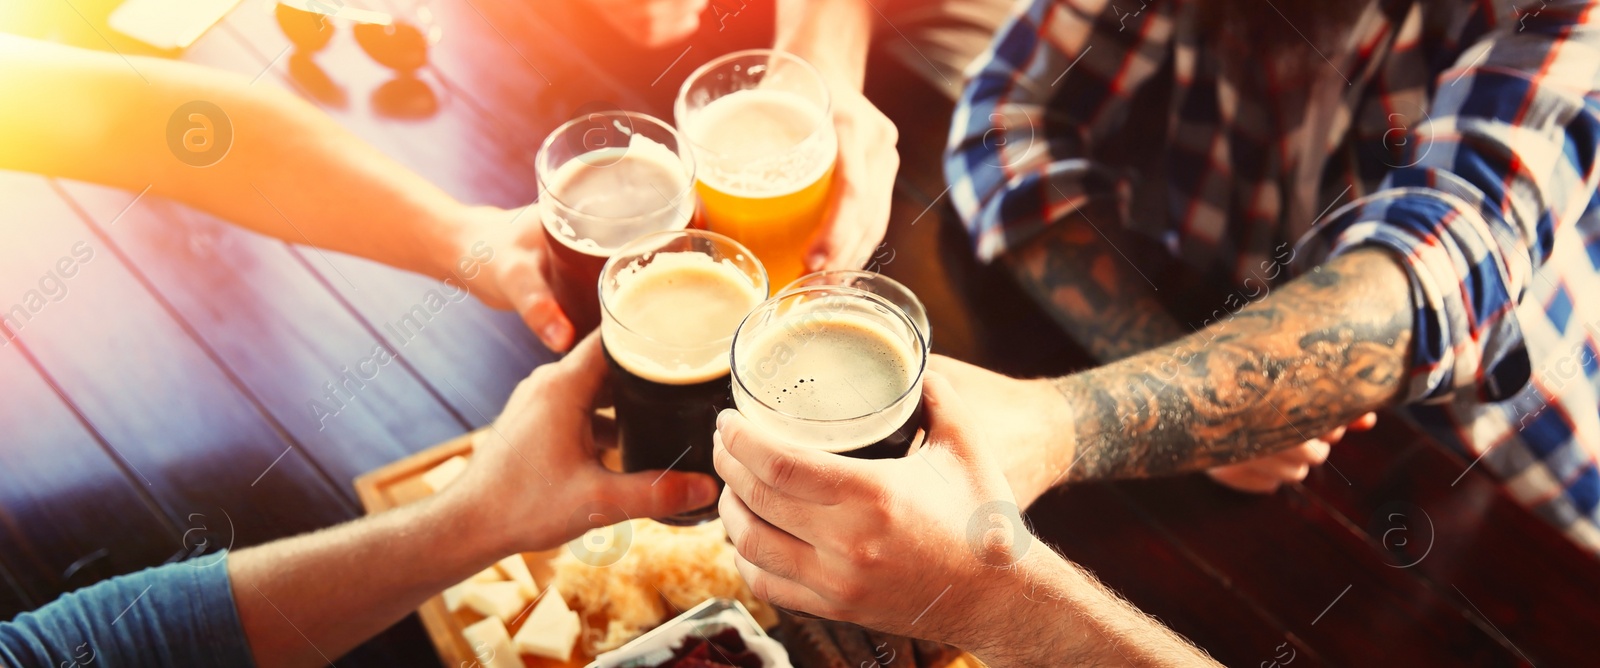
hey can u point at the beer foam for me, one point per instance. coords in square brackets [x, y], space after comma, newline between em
[828, 366]
[671, 321]
[761, 143]
[618, 182]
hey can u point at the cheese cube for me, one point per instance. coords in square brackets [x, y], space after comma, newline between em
[516, 570]
[551, 629]
[490, 574]
[453, 596]
[491, 644]
[439, 476]
[503, 600]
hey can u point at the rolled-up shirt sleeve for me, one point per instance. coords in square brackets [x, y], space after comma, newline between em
[1501, 170]
[1058, 74]
[180, 614]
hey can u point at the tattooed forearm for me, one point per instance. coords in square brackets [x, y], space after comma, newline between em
[1315, 354]
[1092, 291]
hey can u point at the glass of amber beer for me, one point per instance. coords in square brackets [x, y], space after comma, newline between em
[762, 131]
[670, 303]
[834, 368]
[606, 179]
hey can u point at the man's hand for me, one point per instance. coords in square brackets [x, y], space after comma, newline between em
[1021, 420]
[863, 184]
[535, 478]
[922, 540]
[501, 255]
[652, 23]
[1263, 475]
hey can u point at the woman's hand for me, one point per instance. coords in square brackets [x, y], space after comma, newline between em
[863, 185]
[500, 255]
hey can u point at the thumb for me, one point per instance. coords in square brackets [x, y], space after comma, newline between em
[949, 420]
[659, 494]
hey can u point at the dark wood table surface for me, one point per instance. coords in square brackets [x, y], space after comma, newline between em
[161, 405]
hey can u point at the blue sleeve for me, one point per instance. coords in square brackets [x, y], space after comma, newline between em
[180, 614]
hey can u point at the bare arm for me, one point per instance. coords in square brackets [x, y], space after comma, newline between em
[1059, 615]
[287, 171]
[290, 172]
[343, 585]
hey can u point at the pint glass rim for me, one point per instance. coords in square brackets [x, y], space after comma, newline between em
[920, 318]
[636, 248]
[920, 349]
[685, 157]
[680, 106]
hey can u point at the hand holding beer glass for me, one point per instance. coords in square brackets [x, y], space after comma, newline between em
[762, 131]
[670, 303]
[606, 179]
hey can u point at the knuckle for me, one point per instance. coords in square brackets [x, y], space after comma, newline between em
[783, 468]
[847, 592]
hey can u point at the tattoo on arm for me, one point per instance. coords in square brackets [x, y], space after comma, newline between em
[1327, 347]
[1093, 291]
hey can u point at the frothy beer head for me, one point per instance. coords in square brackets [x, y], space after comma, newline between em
[602, 199]
[761, 143]
[669, 316]
[832, 375]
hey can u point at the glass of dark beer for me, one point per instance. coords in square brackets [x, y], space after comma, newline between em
[834, 368]
[883, 286]
[670, 303]
[605, 179]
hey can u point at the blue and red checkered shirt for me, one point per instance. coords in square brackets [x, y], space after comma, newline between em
[1461, 135]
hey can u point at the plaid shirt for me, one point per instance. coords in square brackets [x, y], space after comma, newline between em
[1461, 139]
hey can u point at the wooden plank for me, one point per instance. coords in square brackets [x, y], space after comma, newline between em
[278, 328]
[472, 356]
[140, 380]
[1465, 535]
[1327, 584]
[1144, 566]
[69, 515]
[13, 601]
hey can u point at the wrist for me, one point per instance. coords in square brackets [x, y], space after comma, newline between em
[1022, 590]
[832, 35]
[470, 526]
[1051, 442]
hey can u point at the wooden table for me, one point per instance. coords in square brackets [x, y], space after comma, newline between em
[161, 406]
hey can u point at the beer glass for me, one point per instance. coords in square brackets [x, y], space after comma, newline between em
[834, 368]
[670, 303]
[762, 131]
[605, 179]
[875, 283]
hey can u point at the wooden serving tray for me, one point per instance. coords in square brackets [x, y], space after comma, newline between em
[399, 483]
